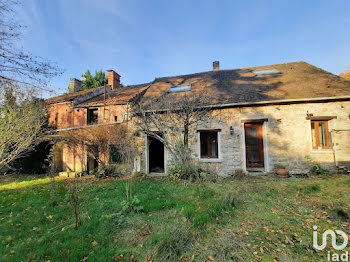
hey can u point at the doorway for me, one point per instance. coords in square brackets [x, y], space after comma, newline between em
[155, 155]
[91, 163]
[254, 145]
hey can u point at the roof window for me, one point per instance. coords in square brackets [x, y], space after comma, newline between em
[271, 71]
[180, 88]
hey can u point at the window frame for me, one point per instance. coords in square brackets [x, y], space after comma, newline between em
[318, 145]
[218, 146]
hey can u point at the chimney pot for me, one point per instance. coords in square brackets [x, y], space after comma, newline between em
[216, 65]
[113, 79]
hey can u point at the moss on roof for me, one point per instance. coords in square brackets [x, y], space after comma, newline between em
[296, 80]
[70, 97]
[119, 95]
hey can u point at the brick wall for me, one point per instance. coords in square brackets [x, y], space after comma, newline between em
[62, 115]
[106, 114]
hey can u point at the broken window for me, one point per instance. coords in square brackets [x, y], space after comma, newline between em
[320, 135]
[92, 116]
[209, 144]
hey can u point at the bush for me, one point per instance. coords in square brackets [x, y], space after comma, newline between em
[186, 171]
[111, 170]
[318, 170]
[133, 205]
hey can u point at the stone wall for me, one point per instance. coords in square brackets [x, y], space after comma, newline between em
[287, 136]
[75, 85]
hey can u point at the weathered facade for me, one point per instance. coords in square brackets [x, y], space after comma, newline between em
[106, 105]
[289, 114]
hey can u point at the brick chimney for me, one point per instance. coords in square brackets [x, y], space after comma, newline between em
[75, 85]
[113, 79]
[216, 66]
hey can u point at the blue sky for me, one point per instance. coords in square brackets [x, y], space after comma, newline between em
[142, 40]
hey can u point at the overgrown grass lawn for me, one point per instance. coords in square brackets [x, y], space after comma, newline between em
[251, 219]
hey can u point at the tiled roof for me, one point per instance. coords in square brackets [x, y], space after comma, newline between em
[70, 97]
[296, 80]
[117, 96]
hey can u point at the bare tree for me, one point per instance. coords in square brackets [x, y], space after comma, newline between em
[21, 74]
[21, 124]
[97, 141]
[17, 65]
[170, 120]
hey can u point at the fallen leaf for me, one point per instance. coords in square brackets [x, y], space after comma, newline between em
[84, 259]
[94, 243]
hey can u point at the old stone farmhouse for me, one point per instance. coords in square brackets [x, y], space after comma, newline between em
[268, 115]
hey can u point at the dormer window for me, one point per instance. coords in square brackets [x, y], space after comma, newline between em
[180, 88]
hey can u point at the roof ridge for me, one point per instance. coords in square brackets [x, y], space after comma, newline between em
[75, 93]
[230, 69]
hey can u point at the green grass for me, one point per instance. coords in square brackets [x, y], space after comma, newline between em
[251, 219]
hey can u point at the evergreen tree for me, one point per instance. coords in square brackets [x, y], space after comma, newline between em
[91, 81]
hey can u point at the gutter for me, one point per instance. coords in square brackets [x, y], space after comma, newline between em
[126, 102]
[101, 104]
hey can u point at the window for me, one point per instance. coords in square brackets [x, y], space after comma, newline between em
[180, 88]
[92, 116]
[115, 118]
[115, 157]
[320, 135]
[270, 71]
[209, 144]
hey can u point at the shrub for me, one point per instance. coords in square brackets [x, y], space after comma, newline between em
[133, 205]
[111, 170]
[186, 171]
[75, 199]
[317, 169]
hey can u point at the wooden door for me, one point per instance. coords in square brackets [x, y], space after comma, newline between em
[254, 144]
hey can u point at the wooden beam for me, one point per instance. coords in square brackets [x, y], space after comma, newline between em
[320, 118]
[209, 130]
[254, 120]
